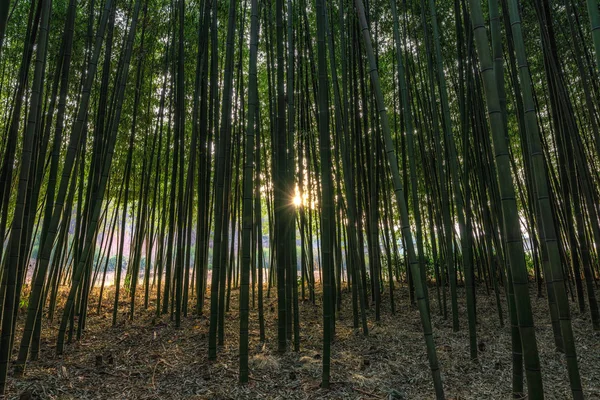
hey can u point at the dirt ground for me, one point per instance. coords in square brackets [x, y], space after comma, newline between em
[149, 358]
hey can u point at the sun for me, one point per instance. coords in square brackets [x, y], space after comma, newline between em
[297, 200]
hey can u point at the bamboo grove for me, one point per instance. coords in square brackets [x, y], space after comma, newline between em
[300, 150]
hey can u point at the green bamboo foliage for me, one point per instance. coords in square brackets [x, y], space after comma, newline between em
[220, 208]
[259, 236]
[144, 186]
[517, 359]
[594, 14]
[327, 216]
[4, 7]
[200, 123]
[497, 51]
[9, 153]
[400, 199]
[349, 181]
[247, 206]
[180, 134]
[175, 169]
[168, 260]
[408, 125]
[34, 306]
[281, 198]
[13, 292]
[541, 178]
[456, 189]
[445, 196]
[514, 241]
[292, 287]
[79, 268]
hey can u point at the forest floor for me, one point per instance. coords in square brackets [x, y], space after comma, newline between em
[149, 358]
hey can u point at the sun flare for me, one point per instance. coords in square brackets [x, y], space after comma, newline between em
[297, 200]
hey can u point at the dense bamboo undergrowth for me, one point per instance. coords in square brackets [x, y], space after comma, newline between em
[169, 147]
